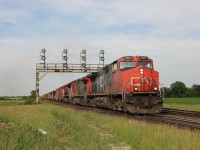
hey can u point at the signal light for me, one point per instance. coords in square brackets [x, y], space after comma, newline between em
[83, 58]
[65, 51]
[84, 51]
[65, 57]
[102, 58]
[102, 51]
[43, 57]
[43, 50]
[65, 65]
[83, 65]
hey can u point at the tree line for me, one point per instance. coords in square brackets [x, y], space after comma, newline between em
[178, 89]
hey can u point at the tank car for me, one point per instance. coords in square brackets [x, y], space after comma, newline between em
[128, 84]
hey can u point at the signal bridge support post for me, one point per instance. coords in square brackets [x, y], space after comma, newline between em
[37, 86]
[39, 76]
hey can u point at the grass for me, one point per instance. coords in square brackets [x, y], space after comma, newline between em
[11, 102]
[183, 103]
[82, 130]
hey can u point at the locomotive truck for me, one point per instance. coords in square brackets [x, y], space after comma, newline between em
[129, 84]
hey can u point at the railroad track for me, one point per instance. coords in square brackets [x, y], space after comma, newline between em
[164, 117]
[177, 121]
[181, 112]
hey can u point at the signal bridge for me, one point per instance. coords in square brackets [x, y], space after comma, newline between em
[43, 68]
[75, 68]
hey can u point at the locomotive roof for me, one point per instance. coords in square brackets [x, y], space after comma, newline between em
[141, 57]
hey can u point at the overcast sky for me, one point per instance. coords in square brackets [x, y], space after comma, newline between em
[168, 31]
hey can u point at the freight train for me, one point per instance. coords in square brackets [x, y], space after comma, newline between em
[129, 84]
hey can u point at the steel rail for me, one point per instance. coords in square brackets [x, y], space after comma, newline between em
[180, 112]
[178, 121]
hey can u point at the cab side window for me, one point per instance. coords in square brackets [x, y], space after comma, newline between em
[114, 68]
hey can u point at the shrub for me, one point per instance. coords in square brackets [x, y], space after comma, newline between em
[29, 101]
[2, 98]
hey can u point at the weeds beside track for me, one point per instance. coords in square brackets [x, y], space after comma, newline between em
[74, 128]
[164, 117]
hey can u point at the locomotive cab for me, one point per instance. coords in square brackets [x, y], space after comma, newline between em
[138, 75]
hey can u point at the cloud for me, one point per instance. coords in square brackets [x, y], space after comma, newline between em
[160, 19]
[175, 60]
[167, 31]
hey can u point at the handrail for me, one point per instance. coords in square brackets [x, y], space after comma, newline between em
[123, 91]
[61, 67]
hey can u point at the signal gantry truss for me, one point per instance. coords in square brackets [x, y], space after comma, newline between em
[43, 68]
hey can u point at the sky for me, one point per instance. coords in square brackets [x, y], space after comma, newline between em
[167, 31]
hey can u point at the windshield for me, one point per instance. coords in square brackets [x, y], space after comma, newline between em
[125, 65]
[146, 64]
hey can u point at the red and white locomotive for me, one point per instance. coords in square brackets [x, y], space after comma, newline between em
[128, 84]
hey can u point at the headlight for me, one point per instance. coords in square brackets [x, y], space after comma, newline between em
[141, 71]
[135, 89]
[155, 88]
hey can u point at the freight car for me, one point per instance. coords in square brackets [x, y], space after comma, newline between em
[128, 84]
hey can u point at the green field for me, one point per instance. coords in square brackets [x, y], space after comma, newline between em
[72, 129]
[183, 103]
[11, 102]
